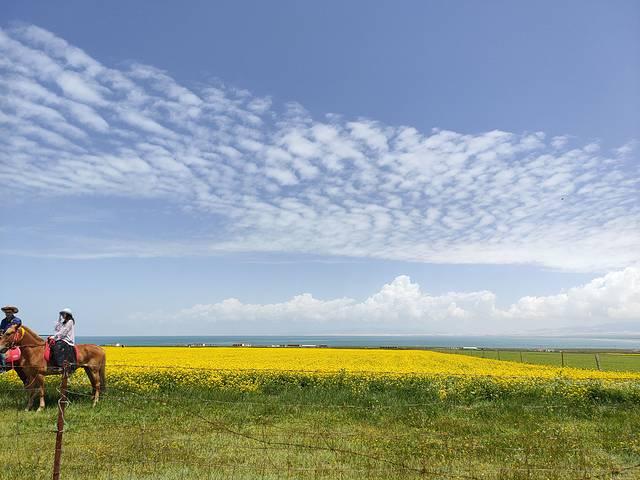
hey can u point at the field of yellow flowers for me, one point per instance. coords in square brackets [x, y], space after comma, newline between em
[429, 373]
[327, 413]
[439, 374]
[325, 360]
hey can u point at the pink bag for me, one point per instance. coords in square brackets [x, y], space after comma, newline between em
[13, 355]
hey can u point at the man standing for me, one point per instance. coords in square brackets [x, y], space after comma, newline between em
[9, 320]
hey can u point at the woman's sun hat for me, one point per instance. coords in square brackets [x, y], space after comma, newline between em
[67, 311]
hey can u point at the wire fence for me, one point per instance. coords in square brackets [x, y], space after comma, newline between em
[602, 361]
[315, 451]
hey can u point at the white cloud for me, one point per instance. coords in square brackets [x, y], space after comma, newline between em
[88, 116]
[281, 180]
[76, 87]
[616, 296]
[402, 307]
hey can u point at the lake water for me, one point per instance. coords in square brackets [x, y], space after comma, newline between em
[529, 342]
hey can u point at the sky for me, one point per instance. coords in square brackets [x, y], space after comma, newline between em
[298, 168]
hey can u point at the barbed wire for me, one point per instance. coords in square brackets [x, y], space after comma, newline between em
[328, 437]
[160, 398]
[615, 471]
[327, 447]
[221, 427]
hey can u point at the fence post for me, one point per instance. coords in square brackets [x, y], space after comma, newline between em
[521, 357]
[562, 357]
[598, 361]
[498, 351]
[62, 403]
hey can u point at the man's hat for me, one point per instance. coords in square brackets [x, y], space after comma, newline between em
[9, 308]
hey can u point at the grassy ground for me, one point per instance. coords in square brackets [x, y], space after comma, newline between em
[321, 432]
[609, 361]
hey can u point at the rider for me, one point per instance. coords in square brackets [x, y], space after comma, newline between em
[9, 320]
[64, 338]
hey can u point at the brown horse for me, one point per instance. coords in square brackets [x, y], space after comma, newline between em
[32, 367]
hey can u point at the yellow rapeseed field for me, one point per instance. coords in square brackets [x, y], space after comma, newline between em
[318, 360]
[364, 371]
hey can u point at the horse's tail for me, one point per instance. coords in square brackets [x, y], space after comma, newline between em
[103, 377]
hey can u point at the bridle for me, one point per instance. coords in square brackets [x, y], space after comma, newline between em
[16, 337]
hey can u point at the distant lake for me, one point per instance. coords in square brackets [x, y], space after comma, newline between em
[529, 342]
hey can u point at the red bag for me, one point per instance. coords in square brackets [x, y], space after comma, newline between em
[13, 355]
[47, 351]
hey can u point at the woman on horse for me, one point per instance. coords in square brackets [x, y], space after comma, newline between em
[65, 340]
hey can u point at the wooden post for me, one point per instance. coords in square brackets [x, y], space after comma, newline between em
[562, 358]
[62, 403]
[598, 361]
[498, 351]
[521, 361]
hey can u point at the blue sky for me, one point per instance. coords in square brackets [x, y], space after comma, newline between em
[244, 167]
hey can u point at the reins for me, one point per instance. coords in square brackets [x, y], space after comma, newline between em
[17, 337]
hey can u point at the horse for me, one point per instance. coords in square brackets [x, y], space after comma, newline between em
[32, 366]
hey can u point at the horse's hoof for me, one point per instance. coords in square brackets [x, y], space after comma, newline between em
[39, 409]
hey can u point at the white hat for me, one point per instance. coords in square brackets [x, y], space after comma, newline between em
[67, 311]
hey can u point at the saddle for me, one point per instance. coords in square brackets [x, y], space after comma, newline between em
[47, 352]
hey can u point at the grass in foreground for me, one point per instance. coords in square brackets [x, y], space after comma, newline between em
[330, 414]
[291, 431]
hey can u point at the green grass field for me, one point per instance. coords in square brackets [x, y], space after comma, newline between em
[329, 433]
[609, 361]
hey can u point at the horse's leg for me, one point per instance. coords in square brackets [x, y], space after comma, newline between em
[94, 377]
[41, 390]
[31, 393]
[22, 375]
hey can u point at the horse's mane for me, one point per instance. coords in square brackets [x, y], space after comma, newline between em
[33, 334]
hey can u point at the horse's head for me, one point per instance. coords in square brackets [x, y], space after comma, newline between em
[10, 337]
